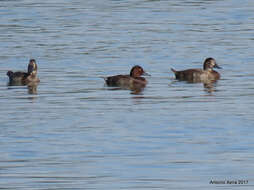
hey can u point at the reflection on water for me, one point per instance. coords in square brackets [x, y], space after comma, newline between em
[133, 90]
[31, 87]
[72, 132]
[210, 87]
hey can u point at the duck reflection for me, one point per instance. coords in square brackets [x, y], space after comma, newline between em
[210, 87]
[31, 87]
[137, 91]
[134, 89]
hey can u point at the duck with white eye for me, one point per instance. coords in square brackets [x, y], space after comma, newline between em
[133, 80]
[200, 75]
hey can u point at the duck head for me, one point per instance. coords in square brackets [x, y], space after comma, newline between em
[32, 67]
[137, 71]
[210, 63]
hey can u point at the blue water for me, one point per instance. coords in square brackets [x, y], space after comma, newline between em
[73, 132]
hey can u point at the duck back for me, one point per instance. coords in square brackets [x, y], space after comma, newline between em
[126, 81]
[188, 75]
[17, 77]
[116, 80]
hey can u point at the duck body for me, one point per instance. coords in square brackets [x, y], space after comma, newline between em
[125, 81]
[133, 80]
[17, 77]
[24, 78]
[199, 75]
[196, 75]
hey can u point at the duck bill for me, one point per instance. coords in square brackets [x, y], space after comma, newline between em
[217, 66]
[146, 74]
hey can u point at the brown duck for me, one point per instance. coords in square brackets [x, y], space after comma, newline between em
[133, 80]
[200, 75]
[24, 78]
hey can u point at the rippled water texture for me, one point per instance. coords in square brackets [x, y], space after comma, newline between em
[73, 132]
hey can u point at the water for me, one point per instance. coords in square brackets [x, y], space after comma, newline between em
[73, 132]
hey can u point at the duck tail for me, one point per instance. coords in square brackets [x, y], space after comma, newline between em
[173, 70]
[9, 73]
[105, 78]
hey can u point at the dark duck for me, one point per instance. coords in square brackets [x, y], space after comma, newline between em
[207, 74]
[24, 78]
[133, 80]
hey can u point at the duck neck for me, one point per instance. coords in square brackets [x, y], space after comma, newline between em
[208, 69]
[33, 74]
[133, 74]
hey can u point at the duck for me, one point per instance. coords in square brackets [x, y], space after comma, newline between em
[133, 80]
[200, 75]
[24, 78]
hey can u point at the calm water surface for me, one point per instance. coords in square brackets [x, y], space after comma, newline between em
[73, 132]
